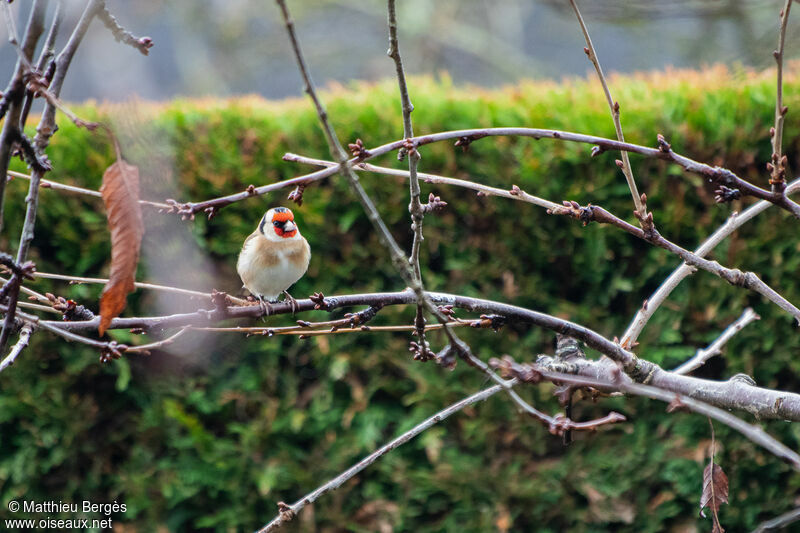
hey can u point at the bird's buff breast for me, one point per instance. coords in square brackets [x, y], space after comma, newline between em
[269, 268]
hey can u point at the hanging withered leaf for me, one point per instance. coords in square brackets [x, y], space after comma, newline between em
[715, 493]
[120, 192]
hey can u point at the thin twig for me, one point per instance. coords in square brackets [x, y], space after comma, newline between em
[414, 206]
[552, 423]
[288, 512]
[22, 343]
[45, 58]
[311, 332]
[53, 327]
[10, 291]
[47, 124]
[53, 100]
[49, 184]
[11, 27]
[15, 91]
[747, 280]
[143, 44]
[778, 166]
[655, 300]
[38, 296]
[484, 190]
[715, 347]
[613, 106]
[140, 285]
[340, 155]
[145, 348]
[23, 55]
[37, 307]
[779, 523]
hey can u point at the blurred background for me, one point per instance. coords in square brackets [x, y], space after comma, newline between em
[232, 47]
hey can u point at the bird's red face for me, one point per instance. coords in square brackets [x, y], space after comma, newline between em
[283, 222]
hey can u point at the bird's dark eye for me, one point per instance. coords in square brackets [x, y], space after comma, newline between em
[276, 223]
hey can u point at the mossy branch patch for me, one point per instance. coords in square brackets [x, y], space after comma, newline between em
[120, 192]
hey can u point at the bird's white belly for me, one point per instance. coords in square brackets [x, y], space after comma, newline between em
[269, 282]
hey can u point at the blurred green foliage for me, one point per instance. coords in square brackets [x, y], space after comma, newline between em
[213, 431]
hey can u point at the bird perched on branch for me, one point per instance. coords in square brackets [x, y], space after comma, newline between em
[273, 257]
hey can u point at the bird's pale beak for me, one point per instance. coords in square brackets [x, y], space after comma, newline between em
[289, 226]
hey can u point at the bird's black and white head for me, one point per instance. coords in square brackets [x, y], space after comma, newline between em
[278, 224]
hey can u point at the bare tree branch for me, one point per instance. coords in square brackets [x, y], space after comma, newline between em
[288, 512]
[108, 350]
[760, 402]
[143, 44]
[56, 186]
[141, 285]
[22, 343]
[715, 347]
[734, 222]
[33, 294]
[44, 66]
[483, 190]
[396, 254]
[777, 167]
[44, 131]
[596, 213]
[717, 175]
[747, 280]
[414, 206]
[47, 124]
[735, 277]
[11, 103]
[779, 523]
[613, 106]
[609, 378]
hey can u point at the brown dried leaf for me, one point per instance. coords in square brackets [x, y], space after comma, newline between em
[715, 492]
[120, 192]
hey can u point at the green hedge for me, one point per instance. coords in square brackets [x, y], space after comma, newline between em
[216, 430]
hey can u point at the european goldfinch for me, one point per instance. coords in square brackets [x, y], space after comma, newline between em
[273, 257]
